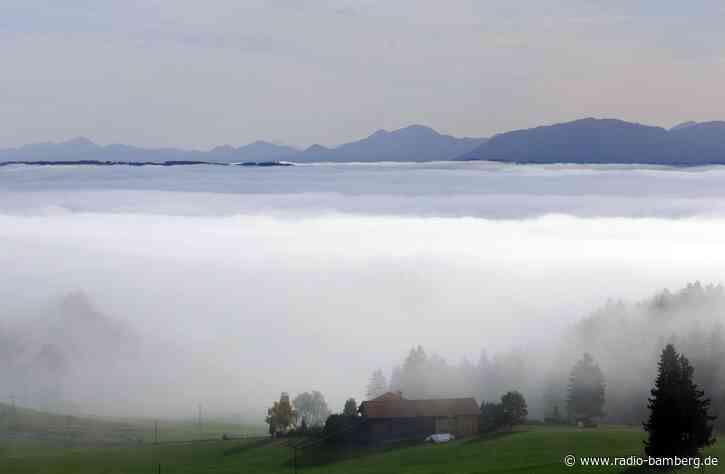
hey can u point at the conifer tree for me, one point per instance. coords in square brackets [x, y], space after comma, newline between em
[377, 385]
[350, 407]
[679, 423]
[586, 390]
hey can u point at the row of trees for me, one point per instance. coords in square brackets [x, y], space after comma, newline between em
[431, 376]
[512, 410]
[627, 339]
[308, 408]
[679, 424]
[585, 400]
[308, 413]
[421, 376]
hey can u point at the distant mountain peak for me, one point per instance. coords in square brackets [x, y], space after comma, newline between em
[316, 148]
[266, 144]
[412, 131]
[597, 121]
[418, 129]
[411, 143]
[593, 140]
[688, 124]
[223, 149]
[77, 304]
[79, 141]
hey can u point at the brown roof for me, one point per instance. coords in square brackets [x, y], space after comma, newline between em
[388, 397]
[394, 406]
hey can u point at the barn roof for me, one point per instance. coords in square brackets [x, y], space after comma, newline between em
[392, 405]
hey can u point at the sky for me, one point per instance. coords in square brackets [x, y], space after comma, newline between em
[197, 74]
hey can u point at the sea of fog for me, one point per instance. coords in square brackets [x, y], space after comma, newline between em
[310, 277]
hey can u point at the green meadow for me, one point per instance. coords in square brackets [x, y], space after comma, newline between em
[535, 449]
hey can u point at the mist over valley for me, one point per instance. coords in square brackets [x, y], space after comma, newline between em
[228, 288]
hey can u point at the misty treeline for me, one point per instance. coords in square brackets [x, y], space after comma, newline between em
[39, 357]
[304, 415]
[624, 341]
[68, 356]
[423, 375]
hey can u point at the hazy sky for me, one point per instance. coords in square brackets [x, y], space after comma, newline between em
[195, 74]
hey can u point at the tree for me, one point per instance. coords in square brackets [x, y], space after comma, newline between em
[679, 423]
[491, 417]
[281, 417]
[312, 408]
[414, 374]
[377, 385]
[350, 407]
[396, 379]
[555, 413]
[586, 390]
[513, 408]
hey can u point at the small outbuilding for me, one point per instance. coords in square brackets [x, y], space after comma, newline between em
[392, 417]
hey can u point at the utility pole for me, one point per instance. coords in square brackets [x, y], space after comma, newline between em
[15, 420]
[199, 419]
[156, 432]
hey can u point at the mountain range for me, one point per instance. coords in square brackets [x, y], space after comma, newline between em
[83, 149]
[588, 140]
[413, 143]
[608, 141]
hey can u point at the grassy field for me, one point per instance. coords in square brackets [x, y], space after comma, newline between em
[528, 449]
[21, 424]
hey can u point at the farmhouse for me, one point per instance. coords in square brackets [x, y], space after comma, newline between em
[392, 417]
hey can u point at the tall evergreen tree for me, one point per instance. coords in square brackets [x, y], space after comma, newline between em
[350, 407]
[377, 385]
[492, 417]
[415, 372]
[396, 379]
[586, 390]
[679, 423]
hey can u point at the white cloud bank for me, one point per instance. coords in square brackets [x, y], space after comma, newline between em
[276, 288]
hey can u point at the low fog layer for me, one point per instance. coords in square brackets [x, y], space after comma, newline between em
[167, 288]
[483, 189]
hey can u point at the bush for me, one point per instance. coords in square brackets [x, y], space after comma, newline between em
[492, 417]
[511, 411]
[342, 429]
